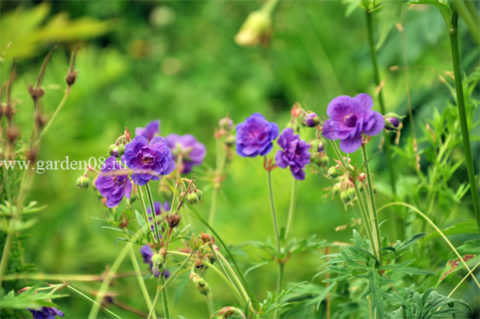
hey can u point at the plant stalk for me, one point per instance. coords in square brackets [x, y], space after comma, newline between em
[463, 115]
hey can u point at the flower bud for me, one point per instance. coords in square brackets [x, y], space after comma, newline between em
[362, 177]
[257, 29]
[311, 120]
[200, 283]
[226, 123]
[12, 134]
[35, 93]
[83, 182]
[392, 121]
[348, 195]
[333, 172]
[194, 196]
[71, 77]
[230, 140]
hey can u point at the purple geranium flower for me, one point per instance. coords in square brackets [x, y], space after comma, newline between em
[148, 159]
[294, 154]
[191, 151]
[46, 313]
[147, 255]
[349, 119]
[113, 182]
[148, 131]
[255, 136]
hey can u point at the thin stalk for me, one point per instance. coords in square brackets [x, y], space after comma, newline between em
[141, 283]
[213, 206]
[154, 214]
[372, 208]
[463, 115]
[376, 74]
[164, 297]
[145, 212]
[277, 237]
[361, 203]
[66, 277]
[111, 273]
[291, 209]
[78, 292]
[54, 115]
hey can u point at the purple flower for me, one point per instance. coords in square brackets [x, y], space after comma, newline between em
[255, 136]
[46, 313]
[148, 131]
[192, 152]
[113, 182]
[148, 159]
[349, 118]
[147, 255]
[294, 154]
[311, 120]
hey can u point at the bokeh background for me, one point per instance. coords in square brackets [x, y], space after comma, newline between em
[176, 61]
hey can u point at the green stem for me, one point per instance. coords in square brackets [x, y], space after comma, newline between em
[213, 206]
[141, 283]
[376, 74]
[54, 115]
[152, 207]
[372, 208]
[463, 115]
[111, 273]
[277, 237]
[291, 209]
[145, 212]
[164, 296]
[78, 292]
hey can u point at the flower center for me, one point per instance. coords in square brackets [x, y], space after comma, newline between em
[148, 160]
[350, 120]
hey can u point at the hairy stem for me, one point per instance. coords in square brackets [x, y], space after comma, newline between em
[376, 74]
[463, 115]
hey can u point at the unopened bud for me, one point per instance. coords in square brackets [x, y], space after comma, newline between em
[226, 123]
[173, 220]
[194, 196]
[311, 120]
[333, 172]
[83, 182]
[257, 29]
[12, 134]
[348, 195]
[71, 77]
[392, 121]
[40, 120]
[200, 283]
[35, 93]
[230, 140]
[362, 177]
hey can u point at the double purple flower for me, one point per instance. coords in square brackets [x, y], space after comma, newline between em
[46, 313]
[255, 136]
[294, 154]
[113, 182]
[349, 119]
[148, 159]
[192, 152]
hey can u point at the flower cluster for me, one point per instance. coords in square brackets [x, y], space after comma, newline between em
[349, 119]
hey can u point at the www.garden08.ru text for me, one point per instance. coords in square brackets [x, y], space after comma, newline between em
[54, 165]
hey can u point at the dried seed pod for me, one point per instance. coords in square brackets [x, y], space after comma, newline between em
[12, 134]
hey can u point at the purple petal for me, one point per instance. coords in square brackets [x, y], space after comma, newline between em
[350, 145]
[364, 100]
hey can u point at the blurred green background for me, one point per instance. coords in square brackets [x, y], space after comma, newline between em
[176, 61]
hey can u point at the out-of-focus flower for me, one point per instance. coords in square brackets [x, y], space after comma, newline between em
[392, 121]
[255, 136]
[191, 151]
[350, 118]
[46, 313]
[113, 182]
[148, 159]
[294, 154]
[257, 29]
[148, 131]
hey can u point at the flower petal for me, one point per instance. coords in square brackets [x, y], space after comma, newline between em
[350, 145]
